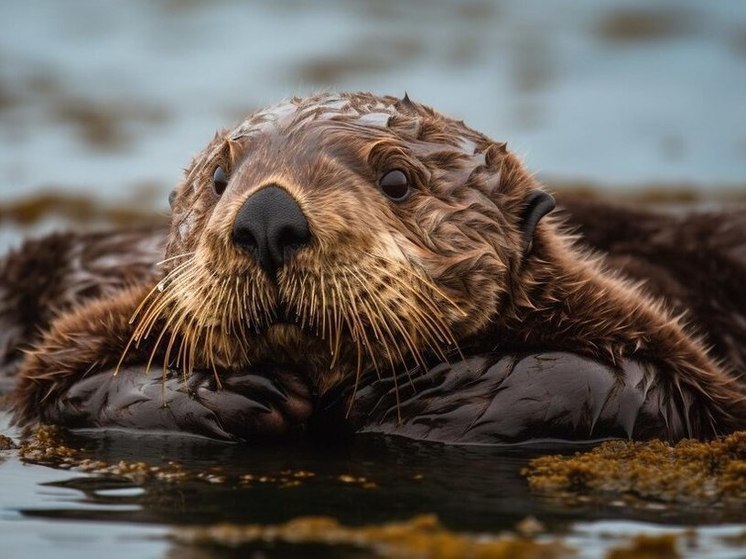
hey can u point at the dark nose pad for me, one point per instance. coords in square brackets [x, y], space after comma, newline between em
[270, 226]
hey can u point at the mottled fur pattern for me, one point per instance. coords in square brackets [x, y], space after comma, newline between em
[383, 284]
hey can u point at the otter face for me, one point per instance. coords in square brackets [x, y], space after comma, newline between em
[337, 231]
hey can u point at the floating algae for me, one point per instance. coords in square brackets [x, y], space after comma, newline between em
[645, 546]
[690, 472]
[45, 445]
[421, 537]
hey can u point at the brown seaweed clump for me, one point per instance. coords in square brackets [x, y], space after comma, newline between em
[79, 209]
[690, 472]
[421, 537]
[645, 546]
[6, 443]
[45, 445]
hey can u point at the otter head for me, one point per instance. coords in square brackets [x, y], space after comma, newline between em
[342, 233]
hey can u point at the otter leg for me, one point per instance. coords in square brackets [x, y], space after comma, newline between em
[512, 398]
[260, 404]
[47, 276]
[69, 378]
[695, 261]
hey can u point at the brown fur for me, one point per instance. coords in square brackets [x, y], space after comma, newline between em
[383, 284]
[50, 276]
[696, 261]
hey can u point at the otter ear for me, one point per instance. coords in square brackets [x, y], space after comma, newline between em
[538, 204]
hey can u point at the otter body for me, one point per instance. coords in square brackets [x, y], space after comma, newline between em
[365, 263]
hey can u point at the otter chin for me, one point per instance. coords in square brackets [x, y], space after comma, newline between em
[365, 262]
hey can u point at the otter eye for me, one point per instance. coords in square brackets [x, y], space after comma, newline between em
[219, 180]
[395, 185]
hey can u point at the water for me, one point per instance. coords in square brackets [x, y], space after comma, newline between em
[110, 99]
[470, 489]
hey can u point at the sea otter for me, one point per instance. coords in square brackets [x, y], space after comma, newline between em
[356, 263]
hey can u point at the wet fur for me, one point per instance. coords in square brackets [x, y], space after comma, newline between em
[383, 286]
[48, 277]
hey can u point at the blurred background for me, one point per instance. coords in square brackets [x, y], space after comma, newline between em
[102, 103]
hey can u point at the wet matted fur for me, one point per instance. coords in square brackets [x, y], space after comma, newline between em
[464, 266]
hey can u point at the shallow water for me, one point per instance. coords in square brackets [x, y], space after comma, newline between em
[373, 480]
[110, 99]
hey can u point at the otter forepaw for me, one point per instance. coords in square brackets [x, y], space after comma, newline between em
[243, 406]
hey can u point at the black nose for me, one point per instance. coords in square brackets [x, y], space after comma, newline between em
[271, 226]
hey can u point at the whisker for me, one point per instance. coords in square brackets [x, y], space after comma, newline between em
[378, 314]
[361, 329]
[175, 257]
[424, 280]
[322, 289]
[137, 331]
[358, 370]
[432, 321]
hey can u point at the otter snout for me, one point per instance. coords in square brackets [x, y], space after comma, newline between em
[270, 226]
